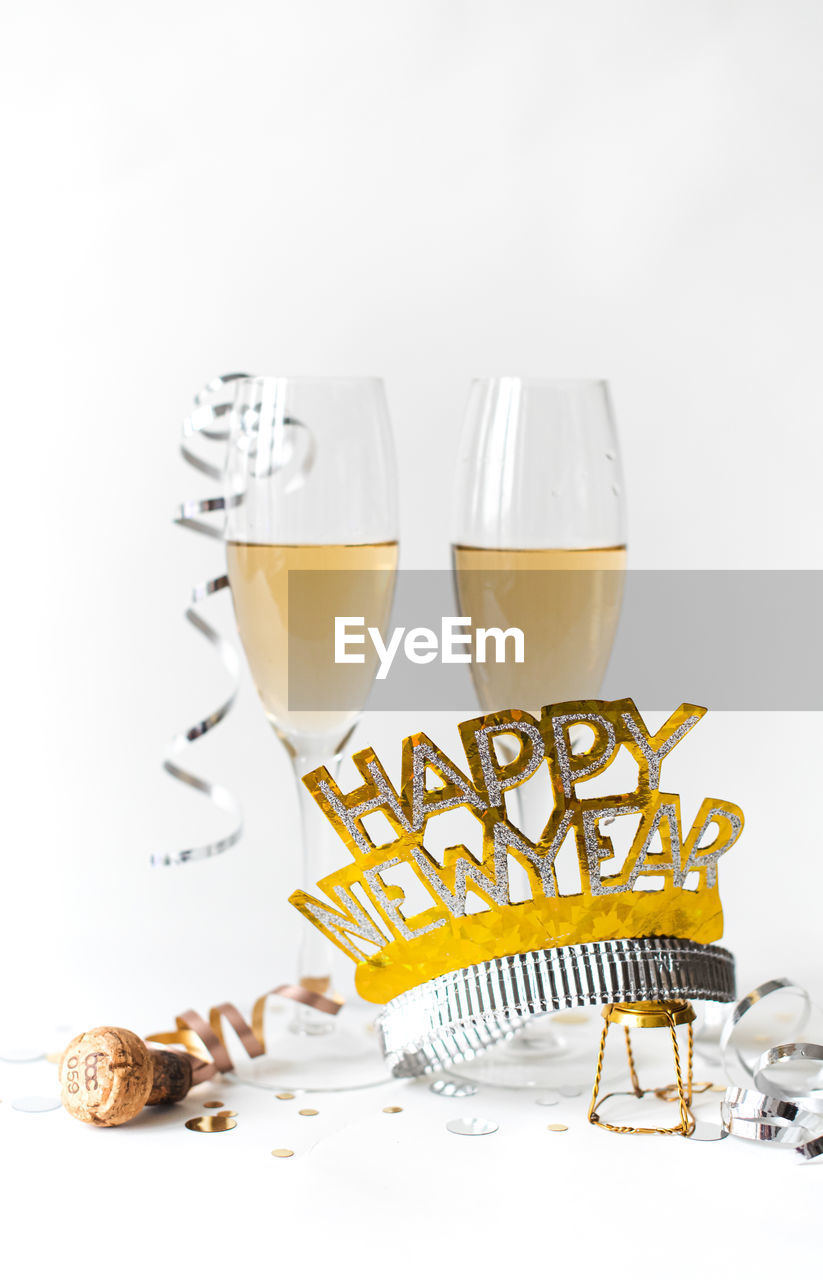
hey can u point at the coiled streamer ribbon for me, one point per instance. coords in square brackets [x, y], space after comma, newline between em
[200, 1038]
[203, 1039]
[211, 405]
[758, 1107]
[294, 457]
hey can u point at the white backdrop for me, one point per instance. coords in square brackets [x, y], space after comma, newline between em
[422, 190]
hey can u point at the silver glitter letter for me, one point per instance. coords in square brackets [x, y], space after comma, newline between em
[494, 786]
[506, 837]
[730, 823]
[338, 926]
[465, 868]
[385, 797]
[599, 847]
[391, 904]
[656, 754]
[423, 755]
[564, 759]
[669, 812]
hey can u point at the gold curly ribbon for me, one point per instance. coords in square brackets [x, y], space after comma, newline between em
[203, 1039]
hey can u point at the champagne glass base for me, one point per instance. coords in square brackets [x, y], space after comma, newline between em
[542, 1055]
[346, 1057]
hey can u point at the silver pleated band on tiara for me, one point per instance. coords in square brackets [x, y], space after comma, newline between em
[453, 1018]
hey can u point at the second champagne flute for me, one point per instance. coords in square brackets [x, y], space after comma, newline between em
[311, 523]
[539, 544]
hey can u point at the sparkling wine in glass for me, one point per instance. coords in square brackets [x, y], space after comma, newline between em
[539, 544]
[312, 520]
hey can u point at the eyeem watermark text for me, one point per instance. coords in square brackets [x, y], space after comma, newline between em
[457, 642]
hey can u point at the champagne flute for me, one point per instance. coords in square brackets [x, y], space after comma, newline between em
[311, 528]
[539, 543]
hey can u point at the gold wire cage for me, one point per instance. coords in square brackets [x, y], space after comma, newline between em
[642, 1015]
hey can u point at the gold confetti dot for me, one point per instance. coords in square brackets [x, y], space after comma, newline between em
[391, 1111]
[557, 1128]
[284, 1097]
[282, 1152]
[215, 1102]
[227, 1113]
[211, 1124]
[308, 1111]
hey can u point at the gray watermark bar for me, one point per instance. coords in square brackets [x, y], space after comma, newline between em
[727, 639]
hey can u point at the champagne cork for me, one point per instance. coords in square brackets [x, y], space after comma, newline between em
[108, 1075]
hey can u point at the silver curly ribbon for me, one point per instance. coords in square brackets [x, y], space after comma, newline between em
[757, 1107]
[211, 405]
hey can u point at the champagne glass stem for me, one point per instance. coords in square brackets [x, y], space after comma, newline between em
[314, 955]
[529, 809]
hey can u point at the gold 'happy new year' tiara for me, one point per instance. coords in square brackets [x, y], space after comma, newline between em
[396, 950]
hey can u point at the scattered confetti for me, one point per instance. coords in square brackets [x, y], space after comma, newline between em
[227, 1113]
[214, 1103]
[472, 1126]
[557, 1128]
[284, 1097]
[705, 1132]
[308, 1111]
[35, 1104]
[548, 1100]
[453, 1089]
[391, 1111]
[570, 1090]
[211, 1124]
[282, 1152]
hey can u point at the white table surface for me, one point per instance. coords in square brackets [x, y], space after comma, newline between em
[373, 1193]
